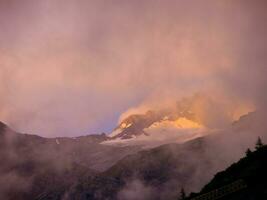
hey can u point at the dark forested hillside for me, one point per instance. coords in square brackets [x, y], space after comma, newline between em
[250, 170]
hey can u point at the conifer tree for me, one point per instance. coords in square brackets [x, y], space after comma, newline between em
[259, 144]
[182, 194]
[248, 152]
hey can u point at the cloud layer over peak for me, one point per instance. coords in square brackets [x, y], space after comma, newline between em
[72, 67]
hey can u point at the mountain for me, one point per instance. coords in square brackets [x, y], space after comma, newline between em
[176, 123]
[160, 173]
[250, 172]
[67, 168]
[153, 174]
[32, 165]
[41, 168]
[135, 125]
[84, 150]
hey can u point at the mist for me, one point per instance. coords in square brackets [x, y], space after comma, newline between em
[72, 68]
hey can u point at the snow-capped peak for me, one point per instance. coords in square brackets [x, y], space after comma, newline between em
[119, 129]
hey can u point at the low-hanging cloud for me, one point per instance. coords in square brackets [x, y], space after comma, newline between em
[70, 68]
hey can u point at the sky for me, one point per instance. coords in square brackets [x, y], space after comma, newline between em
[72, 67]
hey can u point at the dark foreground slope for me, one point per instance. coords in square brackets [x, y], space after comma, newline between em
[250, 170]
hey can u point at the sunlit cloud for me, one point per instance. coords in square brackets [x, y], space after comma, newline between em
[73, 67]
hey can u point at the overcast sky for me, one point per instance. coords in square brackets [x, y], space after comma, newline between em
[72, 67]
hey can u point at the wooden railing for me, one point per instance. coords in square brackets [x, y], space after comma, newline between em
[222, 192]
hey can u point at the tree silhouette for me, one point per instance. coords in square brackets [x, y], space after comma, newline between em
[259, 144]
[182, 194]
[248, 152]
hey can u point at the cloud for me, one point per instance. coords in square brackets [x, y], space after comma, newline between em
[70, 68]
[136, 190]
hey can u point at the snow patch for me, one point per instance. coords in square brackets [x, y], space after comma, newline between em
[57, 141]
[117, 131]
